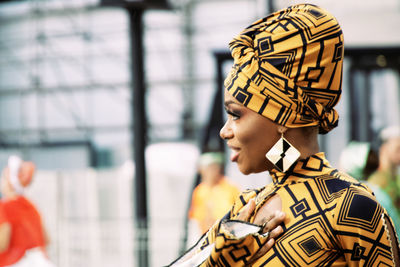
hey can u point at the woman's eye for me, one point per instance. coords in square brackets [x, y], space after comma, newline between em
[234, 115]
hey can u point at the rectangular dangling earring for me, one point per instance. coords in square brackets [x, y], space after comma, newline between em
[283, 154]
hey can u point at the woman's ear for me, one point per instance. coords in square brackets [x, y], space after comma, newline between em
[282, 129]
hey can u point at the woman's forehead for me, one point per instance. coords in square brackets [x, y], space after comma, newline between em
[229, 99]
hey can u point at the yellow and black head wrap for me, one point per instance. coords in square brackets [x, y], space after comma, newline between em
[288, 67]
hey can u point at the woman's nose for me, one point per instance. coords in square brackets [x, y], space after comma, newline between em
[226, 131]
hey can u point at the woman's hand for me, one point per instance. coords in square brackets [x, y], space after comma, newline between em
[271, 226]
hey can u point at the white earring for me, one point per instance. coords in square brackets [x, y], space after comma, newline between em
[283, 154]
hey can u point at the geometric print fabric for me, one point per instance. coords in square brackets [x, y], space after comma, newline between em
[331, 219]
[288, 67]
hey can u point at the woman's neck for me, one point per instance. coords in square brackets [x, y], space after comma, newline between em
[304, 140]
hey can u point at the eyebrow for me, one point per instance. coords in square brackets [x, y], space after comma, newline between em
[229, 102]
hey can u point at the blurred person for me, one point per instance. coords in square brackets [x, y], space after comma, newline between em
[281, 92]
[23, 238]
[215, 194]
[387, 176]
[359, 160]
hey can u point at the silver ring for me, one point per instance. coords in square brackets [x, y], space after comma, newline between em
[266, 234]
[264, 225]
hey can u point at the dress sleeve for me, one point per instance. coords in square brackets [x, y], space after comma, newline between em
[235, 244]
[365, 232]
[228, 240]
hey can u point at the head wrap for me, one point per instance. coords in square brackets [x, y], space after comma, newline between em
[288, 67]
[20, 173]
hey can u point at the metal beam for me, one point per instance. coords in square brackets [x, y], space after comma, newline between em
[139, 133]
[96, 86]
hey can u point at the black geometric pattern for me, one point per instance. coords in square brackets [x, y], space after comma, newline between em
[310, 246]
[300, 208]
[313, 74]
[283, 154]
[361, 210]
[265, 46]
[242, 96]
[338, 54]
[357, 252]
[285, 148]
[288, 68]
[379, 254]
[305, 244]
[240, 253]
[292, 63]
[331, 188]
[315, 164]
[336, 221]
[315, 13]
[282, 61]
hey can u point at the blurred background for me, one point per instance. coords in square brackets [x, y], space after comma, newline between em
[115, 100]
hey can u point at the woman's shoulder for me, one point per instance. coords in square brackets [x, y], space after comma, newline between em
[355, 202]
[345, 191]
[337, 181]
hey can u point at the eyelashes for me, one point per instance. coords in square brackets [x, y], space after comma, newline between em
[234, 115]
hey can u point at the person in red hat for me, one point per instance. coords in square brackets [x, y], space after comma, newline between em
[23, 238]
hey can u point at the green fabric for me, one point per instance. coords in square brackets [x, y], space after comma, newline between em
[211, 158]
[387, 203]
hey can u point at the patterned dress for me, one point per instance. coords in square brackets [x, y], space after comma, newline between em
[331, 220]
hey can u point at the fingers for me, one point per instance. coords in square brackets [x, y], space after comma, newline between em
[247, 210]
[274, 230]
[264, 249]
[273, 223]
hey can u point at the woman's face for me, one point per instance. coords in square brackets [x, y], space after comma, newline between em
[249, 135]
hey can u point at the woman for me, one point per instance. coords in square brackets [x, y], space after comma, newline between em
[280, 94]
[23, 238]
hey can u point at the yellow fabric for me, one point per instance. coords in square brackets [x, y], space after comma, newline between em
[331, 220]
[210, 203]
[227, 247]
[288, 67]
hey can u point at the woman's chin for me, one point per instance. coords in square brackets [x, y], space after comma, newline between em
[243, 169]
[246, 170]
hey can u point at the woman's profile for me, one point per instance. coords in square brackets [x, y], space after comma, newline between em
[280, 94]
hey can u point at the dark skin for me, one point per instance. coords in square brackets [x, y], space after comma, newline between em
[250, 136]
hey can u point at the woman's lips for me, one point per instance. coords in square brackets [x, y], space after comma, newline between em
[234, 154]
